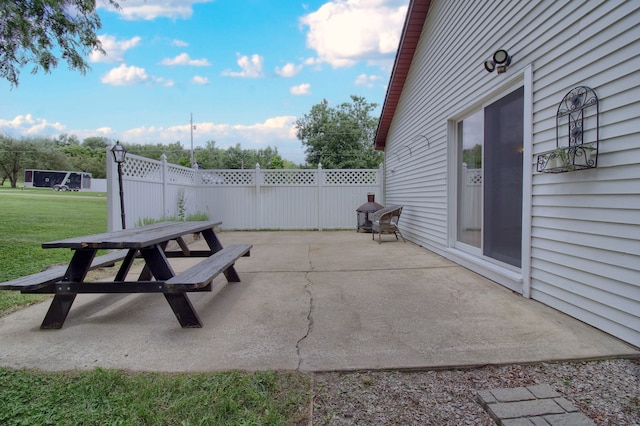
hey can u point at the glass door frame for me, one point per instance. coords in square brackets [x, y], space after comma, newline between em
[516, 279]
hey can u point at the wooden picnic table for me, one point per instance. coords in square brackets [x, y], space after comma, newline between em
[150, 244]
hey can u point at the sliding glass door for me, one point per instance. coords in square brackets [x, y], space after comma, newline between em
[489, 199]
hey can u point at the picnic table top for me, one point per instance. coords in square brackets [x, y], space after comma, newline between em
[134, 238]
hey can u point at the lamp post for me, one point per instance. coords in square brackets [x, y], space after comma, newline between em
[119, 155]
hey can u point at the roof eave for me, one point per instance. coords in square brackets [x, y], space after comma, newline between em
[416, 16]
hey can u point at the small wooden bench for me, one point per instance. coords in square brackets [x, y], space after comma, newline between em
[200, 276]
[39, 280]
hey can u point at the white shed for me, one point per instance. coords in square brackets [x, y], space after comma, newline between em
[481, 94]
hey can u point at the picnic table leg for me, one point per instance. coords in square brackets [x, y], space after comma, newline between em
[180, 304]
[231, 274]
[61, 303]
[126, 265]
[147, 274]
[215, 245]
[212, 240]
[183, 310]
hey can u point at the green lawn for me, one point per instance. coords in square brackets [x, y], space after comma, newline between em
[27, 397]
[30, 217]
[108, 397]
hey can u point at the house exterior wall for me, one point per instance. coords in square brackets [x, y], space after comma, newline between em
[581, 230]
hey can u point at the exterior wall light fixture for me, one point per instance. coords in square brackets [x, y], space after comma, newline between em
[500, 60]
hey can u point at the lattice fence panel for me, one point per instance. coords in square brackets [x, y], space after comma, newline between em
[180, 175]
[289, 177]
[142, 168]
[350, 177]
[211, 178]
[474, 177]
[228, 177]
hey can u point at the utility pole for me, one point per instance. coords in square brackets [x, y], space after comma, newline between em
[192, 127]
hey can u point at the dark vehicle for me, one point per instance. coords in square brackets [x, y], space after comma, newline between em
[58, 180]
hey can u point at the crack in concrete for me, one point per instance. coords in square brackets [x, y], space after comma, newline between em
[309, 312]
[309, 321]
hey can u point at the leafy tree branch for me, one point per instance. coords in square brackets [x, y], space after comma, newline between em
[42, 32]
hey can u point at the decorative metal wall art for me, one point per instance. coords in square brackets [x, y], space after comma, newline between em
[576, 141]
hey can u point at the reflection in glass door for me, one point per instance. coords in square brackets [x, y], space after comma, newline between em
[470, 131]
[490, 170]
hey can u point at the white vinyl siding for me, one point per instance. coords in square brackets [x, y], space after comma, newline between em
[585, 225]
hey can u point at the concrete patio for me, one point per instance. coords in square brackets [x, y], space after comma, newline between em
[313, 301]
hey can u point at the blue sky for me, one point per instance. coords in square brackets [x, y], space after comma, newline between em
[245, 69]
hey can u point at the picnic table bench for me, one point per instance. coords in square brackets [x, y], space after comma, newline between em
[33, 282]
[148, 243]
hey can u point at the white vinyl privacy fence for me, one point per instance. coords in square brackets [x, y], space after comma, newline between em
[248, 199]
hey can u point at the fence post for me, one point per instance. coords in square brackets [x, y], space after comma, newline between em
[380, 177]
[258, 197]
[319, 206]
[197, 187]
[165, 186]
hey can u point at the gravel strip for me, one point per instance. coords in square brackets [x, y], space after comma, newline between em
[606, 391]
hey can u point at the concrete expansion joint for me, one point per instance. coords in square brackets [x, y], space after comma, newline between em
[309, 319]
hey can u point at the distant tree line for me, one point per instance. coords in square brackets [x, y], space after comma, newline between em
[66, 152]
[338, 137]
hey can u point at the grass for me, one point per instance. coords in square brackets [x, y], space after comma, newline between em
[109, 397]
[112, 397]
[30, 217]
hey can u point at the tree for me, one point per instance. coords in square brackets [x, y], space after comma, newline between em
[96, 142]
[209, 157]
[341, 137]
[276, 163]
[473, 157]
[238, 158]
[34, 31]
[13, 156]
[86, 159]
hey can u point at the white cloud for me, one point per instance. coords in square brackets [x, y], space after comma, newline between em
[162, 81]
[115, 49]
[148, 10]
[289, 70]
[367, 80]
[301, 89]
[82, 134]
[277, 132]
[345, 32]
[103, 131]
[125, 76]
[225, 135]
[251, 67]
[197, 79]
[179, 43]
[184, 59]
[27, 125]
